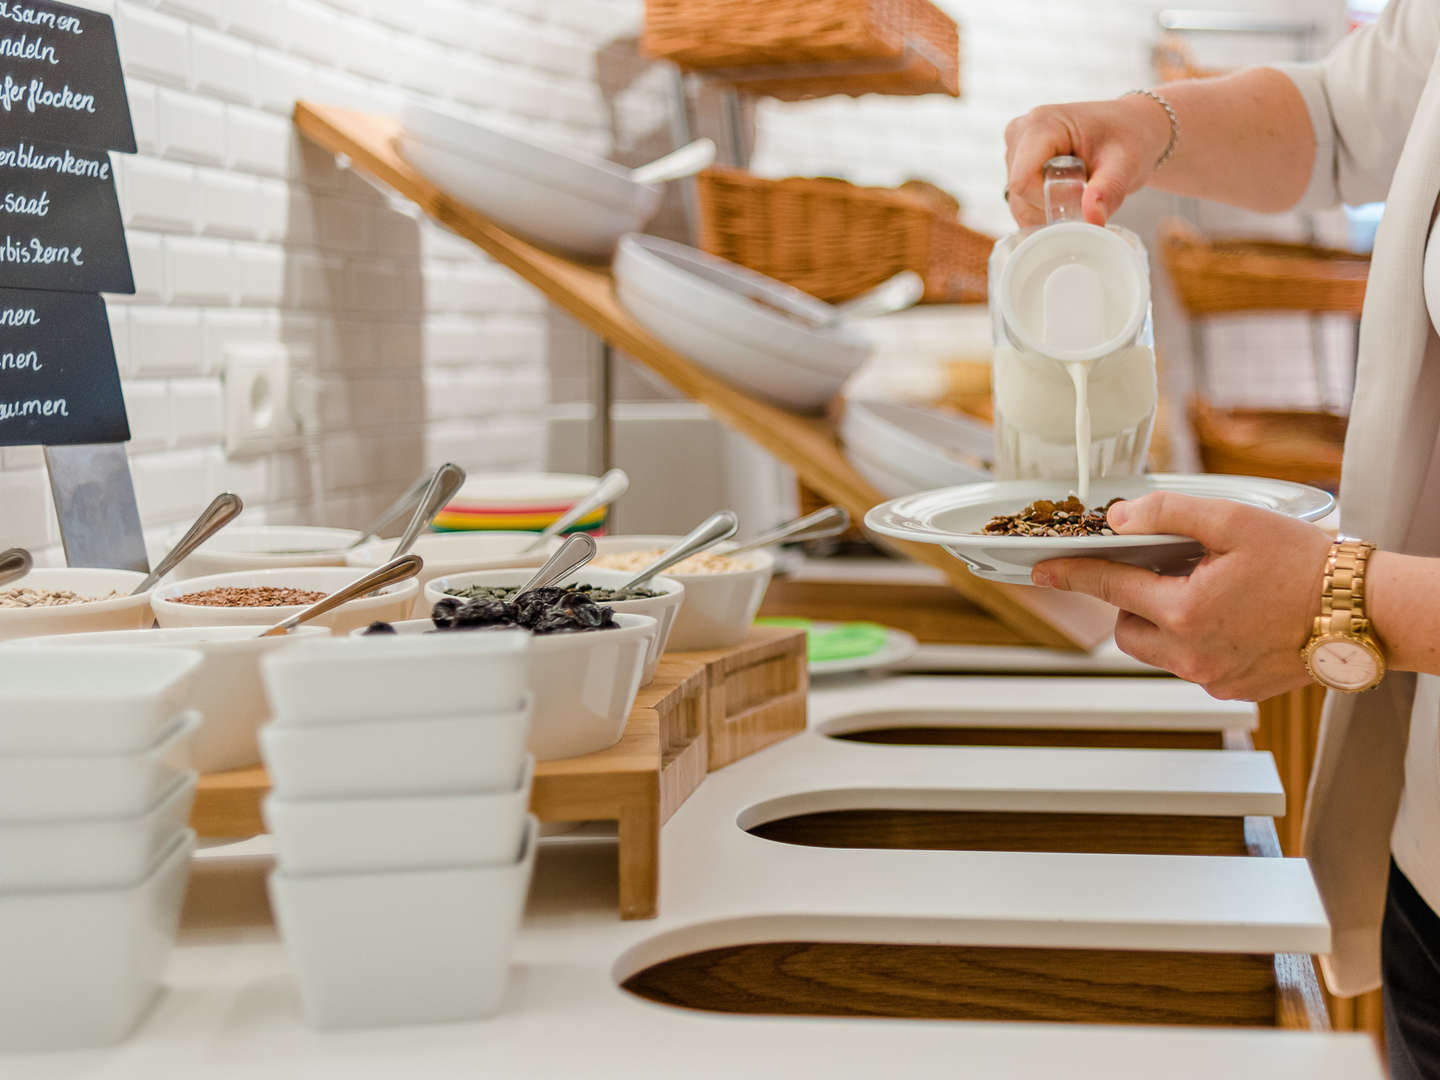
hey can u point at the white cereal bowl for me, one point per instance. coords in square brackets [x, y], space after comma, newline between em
[92, 853]
[124, 612]
[425, 832]
[49, 787]
[101, 700]
[707, 309]
[446, 554]
[584, 683]
[663, 608]
[404, 947]
[578, 204]
[82, 966]
[385, 677]
[226, 691]
[479, 752]
[719, 608]
[263, 547]
[394, 601]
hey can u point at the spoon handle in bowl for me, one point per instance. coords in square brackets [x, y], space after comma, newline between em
[611, 486]
[223, 509]
[15, 563]
[392, 573]
[441, 489]
[717, 527]
[827, 521]
[575, 552]
[405, 504]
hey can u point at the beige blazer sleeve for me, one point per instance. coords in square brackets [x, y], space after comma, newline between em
[1362, 99]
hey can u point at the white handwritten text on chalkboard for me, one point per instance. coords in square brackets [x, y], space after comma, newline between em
[21, 361]
[36, 205]
[26, 156]
[35, 95]
[22, 410]
[29, 16]
[25, 47]
[34, 253]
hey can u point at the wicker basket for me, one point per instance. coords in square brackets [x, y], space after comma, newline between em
[834, 239]
[1286, 444]
[796, 49]
[1214, 277]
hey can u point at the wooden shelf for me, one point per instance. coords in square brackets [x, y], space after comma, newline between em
[807, 444]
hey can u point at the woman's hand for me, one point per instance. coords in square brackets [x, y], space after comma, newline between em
[1237, 623]
[1119, 141]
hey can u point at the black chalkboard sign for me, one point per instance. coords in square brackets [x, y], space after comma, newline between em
[60, 225]
[58, 381]
[60, 76]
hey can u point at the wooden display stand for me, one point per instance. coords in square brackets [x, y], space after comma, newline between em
[701, 711]
[807, 444]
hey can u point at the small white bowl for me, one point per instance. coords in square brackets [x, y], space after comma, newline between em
[428, 832]
[262, 547]
[663, 608]
[124, 612]
[456, 553]
[106, 699]
[584, 683]
[82, 966]
[381, 677]
[226, 691]
[406, 947]
[719, 608]
[67, 787]
[394, 601]
[386, 758]
[92, 853]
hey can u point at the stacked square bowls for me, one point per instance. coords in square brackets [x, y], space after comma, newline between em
[94, 848]
[399, 812]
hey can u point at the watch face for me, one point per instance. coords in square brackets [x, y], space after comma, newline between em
[1344, 664]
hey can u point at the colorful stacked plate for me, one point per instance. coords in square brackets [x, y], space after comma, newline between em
[519, 501]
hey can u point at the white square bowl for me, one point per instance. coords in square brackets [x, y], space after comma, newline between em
[353, 836]
[409, 947]
[384, 677]
[398, 758]
[77, 787]
[105, 699]
[92, 853]
[81, 967]
[226, 691]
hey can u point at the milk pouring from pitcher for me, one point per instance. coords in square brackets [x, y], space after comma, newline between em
[1074, 364]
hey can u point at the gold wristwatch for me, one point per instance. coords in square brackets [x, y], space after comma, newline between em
[1342, 652]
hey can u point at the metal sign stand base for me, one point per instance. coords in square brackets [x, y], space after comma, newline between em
[95, 502]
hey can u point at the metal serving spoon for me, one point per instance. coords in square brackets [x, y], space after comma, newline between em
[609, 488]
[223, 509]
[717, 527]
[15, 563]
[570, 556]
[827, 521]
[439, 491]
[392, 573]
[685, 161]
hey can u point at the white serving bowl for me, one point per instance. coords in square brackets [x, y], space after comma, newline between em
[262, 547]
[719, 608]
[226, 691]
[82, 966]
[390, 758]
[705, 308]
[926, 448]
[125, 612]
[446, 554]
[578, 204]
[394, 601]
[404, 947]
[69, 787]
[92, 853]
[381, 677]
[106, 699]
[663, 608]
[584, 684]
[427, 832]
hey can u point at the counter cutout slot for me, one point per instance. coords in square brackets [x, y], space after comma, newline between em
[945, 982]
[944, 727]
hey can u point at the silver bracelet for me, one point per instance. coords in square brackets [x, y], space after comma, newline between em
[1174, 122]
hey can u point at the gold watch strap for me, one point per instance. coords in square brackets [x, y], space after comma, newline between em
[1342, 601]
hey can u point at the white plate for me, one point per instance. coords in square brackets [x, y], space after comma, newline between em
[899, 647]
[953, 518]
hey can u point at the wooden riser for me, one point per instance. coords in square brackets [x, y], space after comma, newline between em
[796, 978]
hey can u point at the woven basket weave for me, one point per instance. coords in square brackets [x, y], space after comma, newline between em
[809, 48]
[834, 239]
[1213, 277]
[1288, 444]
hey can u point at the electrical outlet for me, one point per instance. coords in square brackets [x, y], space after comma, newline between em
[260, 414]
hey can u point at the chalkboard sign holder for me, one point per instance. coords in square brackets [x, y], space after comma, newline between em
[95, 502]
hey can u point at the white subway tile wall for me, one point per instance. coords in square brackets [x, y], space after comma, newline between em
[409, 347]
